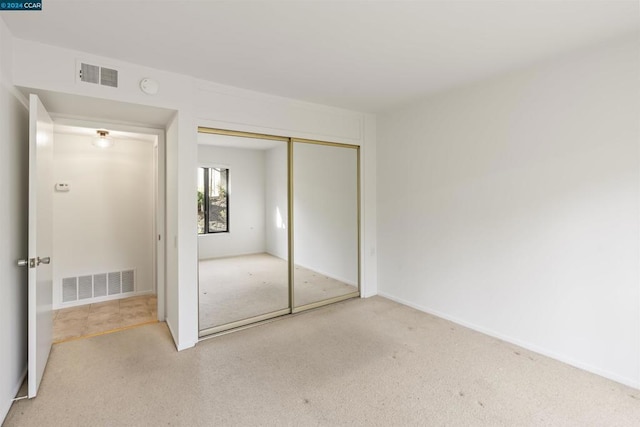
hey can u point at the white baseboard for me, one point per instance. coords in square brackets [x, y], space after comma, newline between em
[23, 376]
[524, 344]
[233, 255]
[6, 405]
[369, 294]
[179, 345]
[315, 270]
[339, 279]
[102, 299]
[173, 335]
[186, 346]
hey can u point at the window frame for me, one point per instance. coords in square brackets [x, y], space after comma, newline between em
[206, 202]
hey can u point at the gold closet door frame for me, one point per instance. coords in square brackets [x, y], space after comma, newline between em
[241, 324]
[321, 303]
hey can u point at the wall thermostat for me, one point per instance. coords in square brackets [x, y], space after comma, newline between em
[149, 86]
[63, 187]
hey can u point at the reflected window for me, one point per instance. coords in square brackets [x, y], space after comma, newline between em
[213, 200]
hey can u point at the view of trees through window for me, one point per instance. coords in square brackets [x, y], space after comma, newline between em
[213, 200]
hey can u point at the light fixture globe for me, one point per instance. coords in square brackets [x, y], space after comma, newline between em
[103, 140]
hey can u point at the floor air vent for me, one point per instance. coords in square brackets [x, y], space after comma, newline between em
[97, 285]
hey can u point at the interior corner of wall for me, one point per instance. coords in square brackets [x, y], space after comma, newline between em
[369, 291]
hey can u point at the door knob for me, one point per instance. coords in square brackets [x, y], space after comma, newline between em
[33, 262]
[29, 262]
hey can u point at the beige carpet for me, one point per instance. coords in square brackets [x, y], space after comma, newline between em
[242, 287]
[367, 362]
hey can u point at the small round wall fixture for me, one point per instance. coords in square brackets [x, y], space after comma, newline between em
[149, 86]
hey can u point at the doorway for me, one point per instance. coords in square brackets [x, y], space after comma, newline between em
[107, 215]
[278, 226]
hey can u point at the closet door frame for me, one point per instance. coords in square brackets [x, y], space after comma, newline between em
[350, 295]
[266, 317]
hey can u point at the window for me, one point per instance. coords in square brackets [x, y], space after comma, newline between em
[213, 200]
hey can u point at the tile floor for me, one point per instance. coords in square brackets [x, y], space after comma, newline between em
[91, 319]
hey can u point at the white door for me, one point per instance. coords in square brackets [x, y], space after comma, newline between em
[40, 240]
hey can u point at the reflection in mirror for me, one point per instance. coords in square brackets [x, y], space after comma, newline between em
[325, 218]
[242, 229]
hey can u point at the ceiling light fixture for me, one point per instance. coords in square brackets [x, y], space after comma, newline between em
[103, 140]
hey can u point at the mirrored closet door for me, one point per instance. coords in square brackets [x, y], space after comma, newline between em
[325, 218]
[278, 226]
[242, 230]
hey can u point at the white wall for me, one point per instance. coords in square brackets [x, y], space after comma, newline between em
[201, 103]
[511, 206]
[325, 210]
[14, 138]
[246, 202]
[105, 222]
[276, 202]
[368, 209]
[171, 239]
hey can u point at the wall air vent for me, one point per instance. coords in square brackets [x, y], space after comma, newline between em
[89, 73]
[100, 285]
[97, 285]
[85, 287]
[95, 74]
[127, 281]
[108, 77]
[114, 280]
[69, 289]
